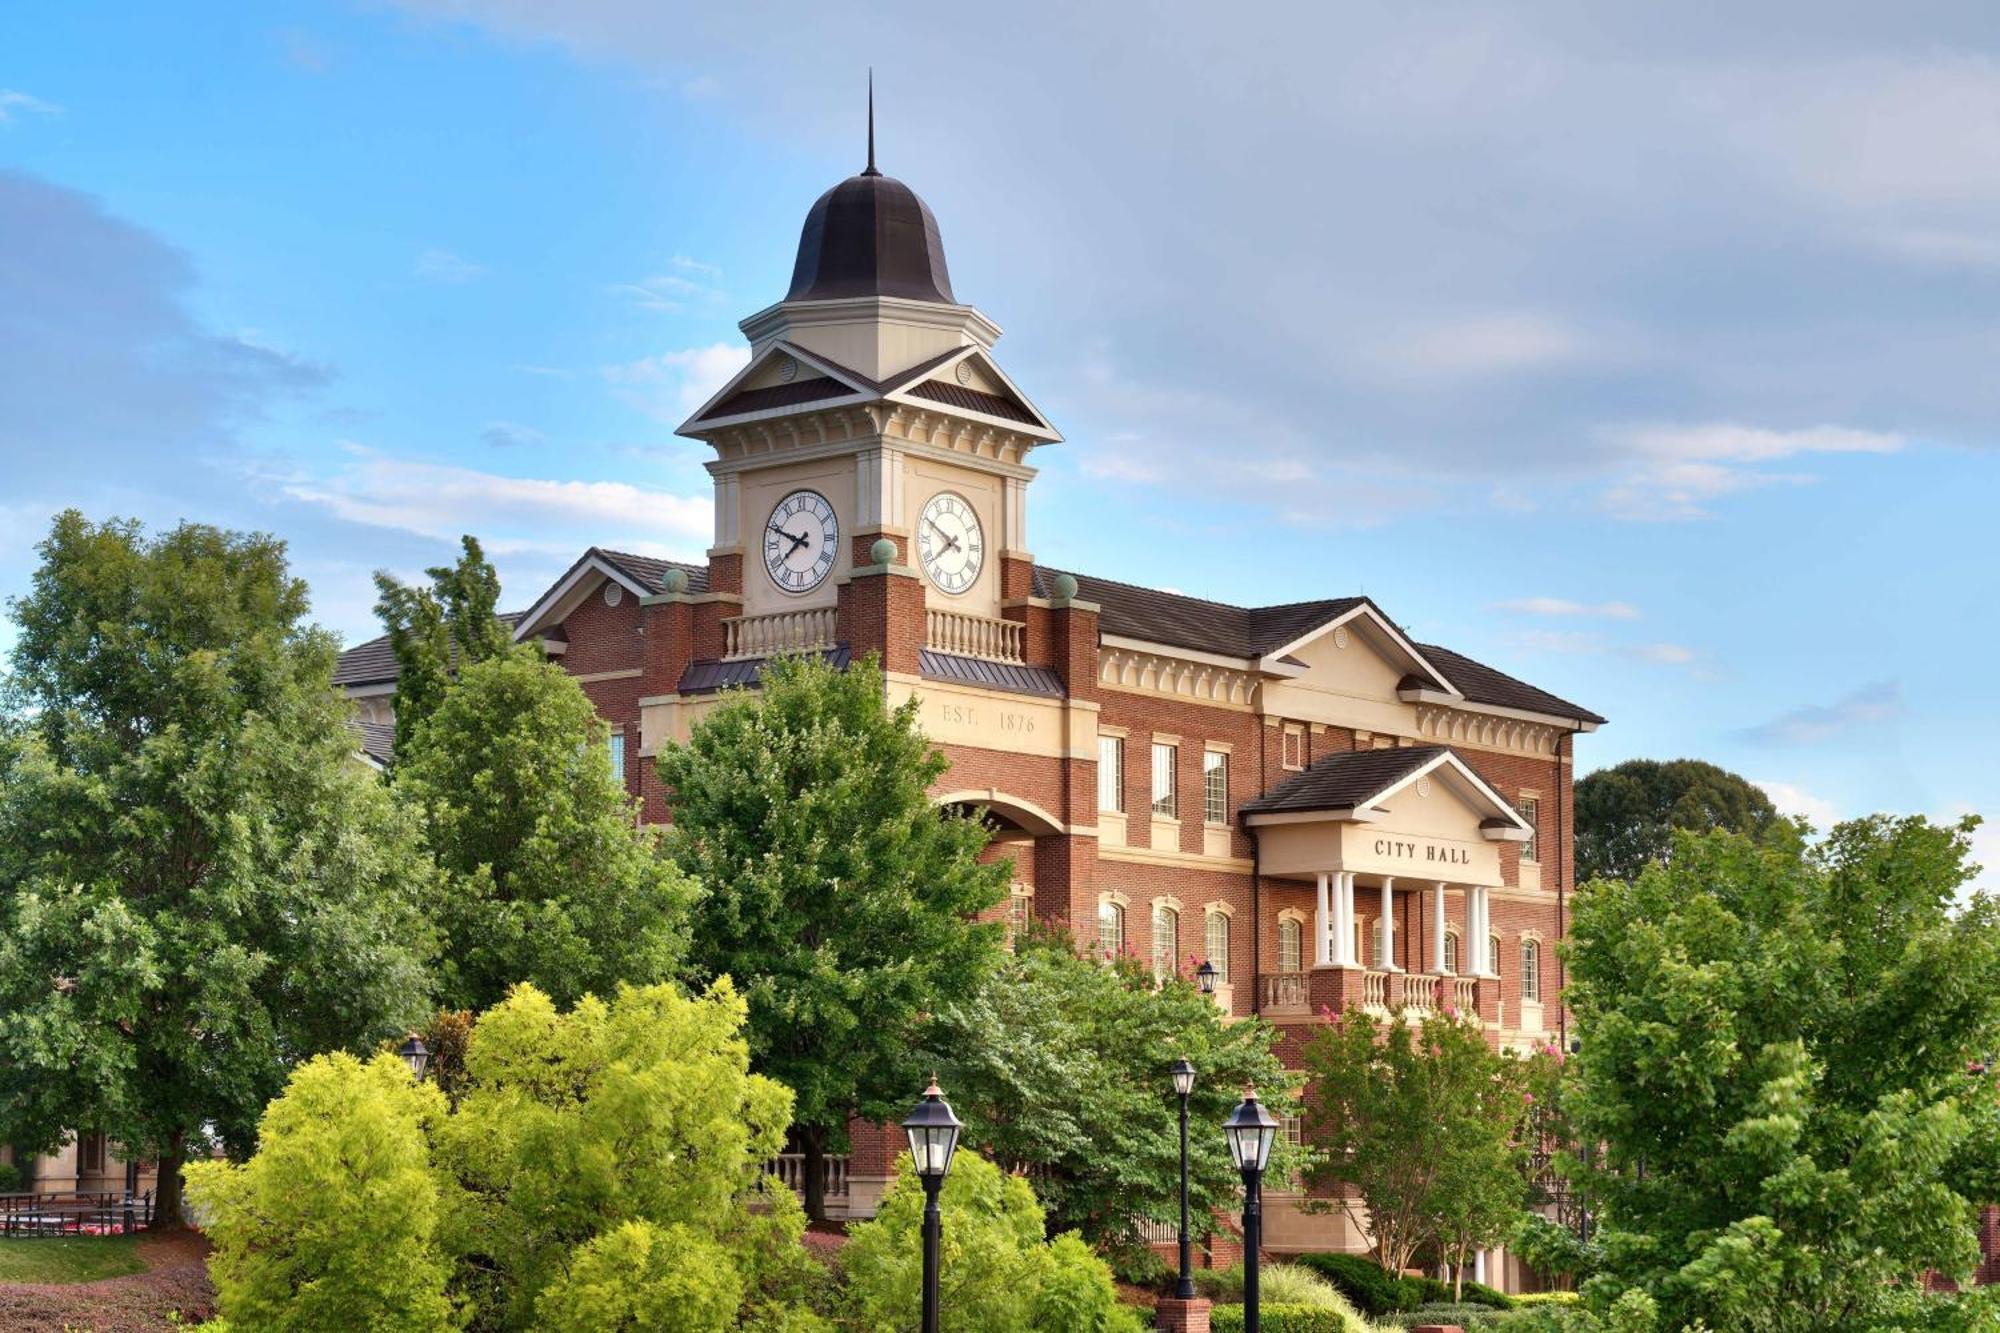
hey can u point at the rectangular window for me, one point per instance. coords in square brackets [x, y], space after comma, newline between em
[617, 753]
[1293, 752]
[1218, 945]
[1531, 811]
[92, 1153]
[1166, 759]
[1215, 786]
[1110, 773]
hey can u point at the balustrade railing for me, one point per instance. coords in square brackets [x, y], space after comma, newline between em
[1284, 993]
[778, 632]
[1465, 996]
[1419, 994]
[965, 635]
[790, 1169]
[1375, 990]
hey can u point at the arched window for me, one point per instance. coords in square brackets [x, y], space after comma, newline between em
[1493, 953]
[1218, 944]
[1110, 929]
[1291, 939]
[1166, 941]
[1531, 971]
[1450, 953]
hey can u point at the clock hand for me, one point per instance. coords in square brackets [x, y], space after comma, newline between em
[950, 542]
[796, 539]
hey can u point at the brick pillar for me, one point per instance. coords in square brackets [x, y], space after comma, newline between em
[1066, 884]
[882, 611]
[1178, 1316]
[871, 1164]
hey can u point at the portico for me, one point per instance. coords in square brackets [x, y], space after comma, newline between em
[1388, 837]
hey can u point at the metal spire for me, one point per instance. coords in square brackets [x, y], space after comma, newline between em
[871, 124]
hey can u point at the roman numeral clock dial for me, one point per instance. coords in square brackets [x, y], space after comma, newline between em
[950, 546]
[800, 541]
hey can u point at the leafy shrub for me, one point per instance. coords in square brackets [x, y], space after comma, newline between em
[1289, 1284]
[11, 1178]
[1286, 1319]
[1223, 1286]
[1141, 1267]
[1373, 1289]
[1547, 1298]
[1465, 1314]
[996, 1276]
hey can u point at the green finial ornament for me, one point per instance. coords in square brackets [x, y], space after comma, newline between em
[675, 581]
[1065, 587]
[883, 552]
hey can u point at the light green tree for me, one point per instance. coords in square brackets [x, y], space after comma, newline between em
[199, 886]
[1775, 1053]
[333, 1224]
[1058, 1065]
[548, 875]
[839, 898]
[997, 1273]
[435, 630]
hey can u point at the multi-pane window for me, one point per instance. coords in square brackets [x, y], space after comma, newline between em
[1020, 911]
[1531, 812]
[1110, 773]
[1165, 761]
[617, 755]
[1291, 945]
[91, 1150]
[1215, 786]
[1218, 944]
[1451, 953]
[1493, 954]
[1166, 941]
[1531, 971]
[1110, 929]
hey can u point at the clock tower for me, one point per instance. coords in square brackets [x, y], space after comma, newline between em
[872, 411]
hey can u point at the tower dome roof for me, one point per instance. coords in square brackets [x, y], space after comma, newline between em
[870, 235]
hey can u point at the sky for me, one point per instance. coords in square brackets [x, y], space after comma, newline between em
[1650, 353]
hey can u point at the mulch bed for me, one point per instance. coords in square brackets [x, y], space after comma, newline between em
[175, 1280]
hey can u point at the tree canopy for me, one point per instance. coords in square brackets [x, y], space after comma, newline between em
[1775, 1068]
[838, 897]
[1626, 816]
[1058, 1066]
[436, 630]
[199, 886]
[548, 875]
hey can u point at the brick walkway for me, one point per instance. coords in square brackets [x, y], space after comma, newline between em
[174, 1280]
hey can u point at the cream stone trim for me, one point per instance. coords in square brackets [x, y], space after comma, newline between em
[1150, 856]
[1531, 933]
[1319, 728]
[1216, 907]
[1165, 900]
[1113, 896]
[1219, 747]
[1139, 671]
[995, 799]
[1163, 738]
[1120, 732]
[1292, 914]
[592, 677]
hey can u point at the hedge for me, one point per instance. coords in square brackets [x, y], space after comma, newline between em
[1375, 1291]
[1280, 1319]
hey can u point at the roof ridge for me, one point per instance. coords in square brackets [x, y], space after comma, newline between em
[1140, 587]
[636, 555]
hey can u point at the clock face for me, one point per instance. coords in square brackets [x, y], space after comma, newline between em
[950, 546]
[800, 541]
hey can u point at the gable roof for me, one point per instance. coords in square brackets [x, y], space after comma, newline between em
[1181, 621]
[1482, 684]
[373, 661]
[1344, 781]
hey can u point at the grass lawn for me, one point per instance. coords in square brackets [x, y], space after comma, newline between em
[68, 1258]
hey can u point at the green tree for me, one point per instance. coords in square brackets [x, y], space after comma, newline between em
[837, 895]
[333, 1224]
[549, 877]
[1058, 1067]
[199, 887]
[435, 630]
[1626, 816]
[1774, 1064]
[1423, 1127]
[996, 1273]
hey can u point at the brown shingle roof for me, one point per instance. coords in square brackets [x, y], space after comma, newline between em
[1343, 781]
[973, 400]
[777, 395]
[652, 572]
[1482, 684]
[1192, 622]
[373, 661]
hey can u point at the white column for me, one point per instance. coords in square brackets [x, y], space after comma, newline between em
[1479, 1266]
[1322, 926]
[1478, 924]
[1388, 923]
[1437, 928]
[1343, 918]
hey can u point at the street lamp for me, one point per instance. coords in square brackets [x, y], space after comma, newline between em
[933, 1132]
[1251, 1130]
[1183, 1074]
[1205, 977]
[416, 1055]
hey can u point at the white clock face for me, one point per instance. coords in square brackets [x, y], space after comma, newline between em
[800, 541]
[950, 546]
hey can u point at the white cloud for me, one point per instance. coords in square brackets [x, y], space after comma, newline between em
[1667, 654]
[1813, 724]
[1121, 466]
[1488, 344]
[1562, 606]
[444, 266]
[511, 514]
[1589, 643]
[673, 384]
[13, 101]
[1674, 472]
[1797, 801]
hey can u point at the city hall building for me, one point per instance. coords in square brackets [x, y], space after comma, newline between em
[1328, 811]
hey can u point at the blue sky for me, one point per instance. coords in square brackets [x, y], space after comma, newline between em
[1649, 355]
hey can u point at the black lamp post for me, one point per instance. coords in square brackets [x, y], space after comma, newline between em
[416, 1055]
[1251, 1130]
[933, 1132]
[1183, 1073]
[1204, 977]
